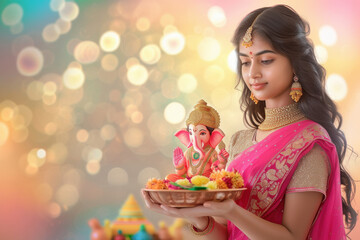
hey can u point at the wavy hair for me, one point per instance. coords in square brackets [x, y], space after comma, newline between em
[287, 32]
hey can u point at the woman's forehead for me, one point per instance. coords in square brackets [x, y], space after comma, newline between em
[259, 43]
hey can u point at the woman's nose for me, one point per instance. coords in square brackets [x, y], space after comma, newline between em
[254, 71]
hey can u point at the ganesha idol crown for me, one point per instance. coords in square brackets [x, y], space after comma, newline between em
[201, 137]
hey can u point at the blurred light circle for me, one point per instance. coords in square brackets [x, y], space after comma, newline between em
[133, 137]
[7, 113]
[95, 154]
[69, 12]
[336, 87]
[30, 61]
[174, 113]
[214, 75]
[12, 14]
[73, 78]
[57, 5]
[49, 99]
[34, 90]
[209, 49]
[93, 167]
[187, 83]
[54, 210]
[328, 35]
[137, 117]
[41, 153]
[108, 132]
[109, 62]
[150, 54]
[143, 24]
[321, 54]
[146, 174]
[86, 52]
[109, 41]
[217, 16]
[82, 135]
[172, 43]
[4, 133]
[17, 28]
[50, 128]
[232, 61]
[67, 195]
[25, 113]
[63, 26]
[33, 159]
[118, 177]
[51, 33]
[49, 88]
[137, 75]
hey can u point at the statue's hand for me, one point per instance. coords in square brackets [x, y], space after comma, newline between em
[178, 157]
[224, 154]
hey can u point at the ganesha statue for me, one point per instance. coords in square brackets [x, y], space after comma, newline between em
[201, 137]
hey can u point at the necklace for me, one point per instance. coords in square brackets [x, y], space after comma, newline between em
[279, 117]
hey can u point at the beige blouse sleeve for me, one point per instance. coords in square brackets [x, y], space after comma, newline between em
[240, 141]
[311, 173]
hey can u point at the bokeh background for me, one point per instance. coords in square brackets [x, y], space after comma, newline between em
[92, 91]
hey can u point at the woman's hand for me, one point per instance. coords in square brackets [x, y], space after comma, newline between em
[218, 209]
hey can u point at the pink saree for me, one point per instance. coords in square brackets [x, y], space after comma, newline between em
[267, 168]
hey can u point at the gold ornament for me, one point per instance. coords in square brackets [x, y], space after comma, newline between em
[252, 97]
[247, 39]
[279, 117]
[296, 90]
[204, 115]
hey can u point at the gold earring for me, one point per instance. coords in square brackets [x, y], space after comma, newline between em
[296, 90]
[252, 97]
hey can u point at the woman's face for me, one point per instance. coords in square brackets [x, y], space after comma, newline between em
[267, 74]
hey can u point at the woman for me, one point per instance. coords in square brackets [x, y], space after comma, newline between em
[291, 158]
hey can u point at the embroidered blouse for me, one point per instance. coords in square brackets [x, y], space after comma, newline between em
[310, 175]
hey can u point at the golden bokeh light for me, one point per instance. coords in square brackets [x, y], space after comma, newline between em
[54, 210]
[49, 88]
[41, 153]
[136, 117]
[50, 128]
[82, 135]
[7, 113]
[133, 137]
[328, 35]
[57, 5]
[217, 16]
[95, 154]
[209, 49]
[118, 177]
[34, 90]
[150, 54]
[214, 75]
[69, 11]
[137, 75]
[12, 14]
[174, 113]
[67, 195]
[63, 26]
[4, 133]
[108, 132]
[34, 160]
[86, 52]
[187, 83]
[51, 33]
[93, 167]
[30, 61]
[143, 24]
[336, 87]
[172, 43]
[232, 61]
[146, 174]
[109, 41]
[73, 78]
[321, 54]
[109, 62]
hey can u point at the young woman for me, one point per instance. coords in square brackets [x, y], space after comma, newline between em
[291, 158]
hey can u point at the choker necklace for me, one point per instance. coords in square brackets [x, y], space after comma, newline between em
[279, 117]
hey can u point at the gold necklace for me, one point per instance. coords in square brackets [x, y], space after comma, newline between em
[279, 117]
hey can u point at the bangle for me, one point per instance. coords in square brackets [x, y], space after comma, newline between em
[208, 229]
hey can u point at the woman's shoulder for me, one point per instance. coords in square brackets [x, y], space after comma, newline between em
[244, 134]
[316, 128]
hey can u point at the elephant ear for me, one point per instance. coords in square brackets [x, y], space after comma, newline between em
[216, 137]
[183, 136]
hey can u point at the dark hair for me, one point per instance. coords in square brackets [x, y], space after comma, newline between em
[287, 32]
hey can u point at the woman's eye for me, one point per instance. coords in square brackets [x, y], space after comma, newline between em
[245, 63]
[267, 61]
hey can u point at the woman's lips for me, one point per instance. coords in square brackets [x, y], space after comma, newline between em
[258, 86]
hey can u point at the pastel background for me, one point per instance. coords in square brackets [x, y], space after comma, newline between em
[91, 93]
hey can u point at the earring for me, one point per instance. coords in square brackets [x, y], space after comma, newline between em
[252, 97]
[296, 90]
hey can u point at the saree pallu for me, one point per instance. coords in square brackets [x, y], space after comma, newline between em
[267, 168]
